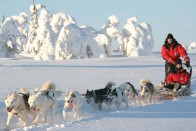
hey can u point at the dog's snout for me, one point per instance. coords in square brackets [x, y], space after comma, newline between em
[9, 109]
[69, 101]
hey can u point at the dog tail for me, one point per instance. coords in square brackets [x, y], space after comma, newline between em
[23, 91]
[110, 84]
[48, 86]
[144, 81]
[134, 92]
[147, 83]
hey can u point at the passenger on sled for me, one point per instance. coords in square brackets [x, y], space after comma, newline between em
[178, 77]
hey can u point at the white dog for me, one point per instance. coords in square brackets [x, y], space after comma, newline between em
[129, 90]
[73, 100]
[45, 98]
[146, 91]
[120, 94]
[17, 105]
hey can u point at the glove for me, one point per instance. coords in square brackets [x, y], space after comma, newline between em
[187, 63]
[187, 60]
[176, 86]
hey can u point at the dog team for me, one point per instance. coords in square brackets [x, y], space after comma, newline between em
[37, 103]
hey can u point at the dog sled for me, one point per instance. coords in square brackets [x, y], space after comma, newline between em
[168, 94]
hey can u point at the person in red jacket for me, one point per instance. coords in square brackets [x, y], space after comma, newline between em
[171, 52]
[178, 77]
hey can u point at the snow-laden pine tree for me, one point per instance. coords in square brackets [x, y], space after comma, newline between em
[13, 35]
[86, 42]
[48, 33]
[33, 25]
[57, 36]
[111, 30]
[44, 32]
[136, 39]
[69, 43]
[192, 46]
[43, 43]
[2, 21]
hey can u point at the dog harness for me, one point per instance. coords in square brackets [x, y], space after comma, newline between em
[46, 92]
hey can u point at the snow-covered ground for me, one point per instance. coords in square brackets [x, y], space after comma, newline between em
[83, 74]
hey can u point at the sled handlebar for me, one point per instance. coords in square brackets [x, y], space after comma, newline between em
[188, 67]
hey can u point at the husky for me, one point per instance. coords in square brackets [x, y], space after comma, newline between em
[97, 97]
[146, 91]
[129, 90]
[73, 100]
[46, 97]
[119, 95]
[17, 105]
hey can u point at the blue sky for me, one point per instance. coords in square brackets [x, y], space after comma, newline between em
[165, 16]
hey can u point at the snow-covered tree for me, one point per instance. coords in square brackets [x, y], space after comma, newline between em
[43, 45]
[136, 39]
[192, 46]
[13, 35]
[33, 25]
[44, 31]
[2, 21]
[86, 42]
[111, 30]
[69, 43]
[57, 36]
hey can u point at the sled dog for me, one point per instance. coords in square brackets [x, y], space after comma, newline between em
[146, 91]
[45, 98]
[129, 90]
[119, 95]
[17, 105]
[97, 97]
[73, 100]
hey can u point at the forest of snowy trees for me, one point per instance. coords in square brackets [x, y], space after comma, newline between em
[48, 36]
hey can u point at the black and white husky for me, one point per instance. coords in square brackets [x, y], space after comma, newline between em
[17, 105]
[146, 91]
[97, 97]
[120, 94]
[73, 100]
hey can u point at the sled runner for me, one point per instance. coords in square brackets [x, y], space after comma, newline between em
[168, 94]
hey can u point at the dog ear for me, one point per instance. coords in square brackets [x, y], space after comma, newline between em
[9, 94]
[73, 95]
[15, 93]
[72, 92]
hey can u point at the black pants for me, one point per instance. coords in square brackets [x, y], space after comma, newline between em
[169, 86]
[168, 68]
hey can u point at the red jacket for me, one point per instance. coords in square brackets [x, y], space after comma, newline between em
[181, 77]
[173, 53]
